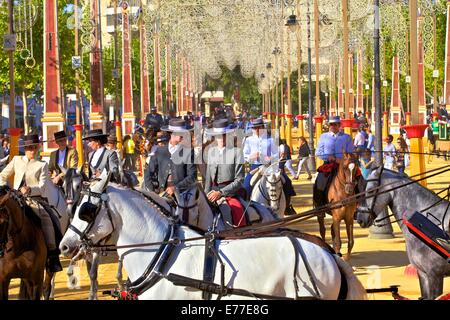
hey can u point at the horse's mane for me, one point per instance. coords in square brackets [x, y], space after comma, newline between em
[29, 213]
[398, 175]
[4, 190]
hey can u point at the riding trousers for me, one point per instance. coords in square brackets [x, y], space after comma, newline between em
[46, 224]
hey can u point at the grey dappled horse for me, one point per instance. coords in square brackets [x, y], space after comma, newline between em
[432, 268]
[268, 190]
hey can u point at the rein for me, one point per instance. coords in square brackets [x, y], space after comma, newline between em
[441, 222]
[249, 231]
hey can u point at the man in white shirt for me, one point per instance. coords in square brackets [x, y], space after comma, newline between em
[65, 157]
[360, 141]
[259, 149]
[389, 153]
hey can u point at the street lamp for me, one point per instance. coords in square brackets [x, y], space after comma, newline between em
[367, 87]
[292, 23]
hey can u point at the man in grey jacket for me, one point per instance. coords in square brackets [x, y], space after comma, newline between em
[172, 166]
[225, 164]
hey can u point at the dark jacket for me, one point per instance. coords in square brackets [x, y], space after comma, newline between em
[108, 160]
[304, 152]
[70, 161]
[181, 163]
[229, 169]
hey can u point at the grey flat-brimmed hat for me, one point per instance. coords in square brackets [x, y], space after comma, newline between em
[335, 119]
[258, 123]
[177, 126]
[221, 126]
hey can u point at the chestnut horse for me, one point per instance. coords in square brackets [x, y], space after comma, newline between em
[22, 246]
[342, 186]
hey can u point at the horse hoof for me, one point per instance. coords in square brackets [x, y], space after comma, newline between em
[339, 254]
[346, 257]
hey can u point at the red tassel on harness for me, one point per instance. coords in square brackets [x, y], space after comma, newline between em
[125, 295]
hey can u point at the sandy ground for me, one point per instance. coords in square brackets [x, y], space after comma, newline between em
[377, 263]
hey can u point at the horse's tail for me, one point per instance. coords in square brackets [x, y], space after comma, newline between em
[355, 289]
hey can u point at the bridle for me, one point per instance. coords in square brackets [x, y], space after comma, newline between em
[349, 187]
[267, 197]
[371, 211]
[103, 197]
[70, 195]
[186, 209]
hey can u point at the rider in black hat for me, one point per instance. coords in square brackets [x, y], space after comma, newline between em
[65, 157]
[172, 165]
[101, 158]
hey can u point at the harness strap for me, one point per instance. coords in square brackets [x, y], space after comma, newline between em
[298, 248]
[209, 266]
[154, 271]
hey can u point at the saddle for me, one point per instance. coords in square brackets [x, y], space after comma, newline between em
[325, 174]
[252, 212]
[53, 214]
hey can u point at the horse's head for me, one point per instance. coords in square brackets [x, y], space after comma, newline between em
[188, 205]
[72, 186]
[11, 214]
[89, 216]
[274, 185]
[349, 167]
[4, 216]
[375, 203]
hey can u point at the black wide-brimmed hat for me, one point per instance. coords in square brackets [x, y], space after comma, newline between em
[31, 140]
[258, 123]
[177, 125]
[112, 139]
[96, 133]
[60, 135]
[221, 126]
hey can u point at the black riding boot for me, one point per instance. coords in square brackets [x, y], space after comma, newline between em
[53, 263]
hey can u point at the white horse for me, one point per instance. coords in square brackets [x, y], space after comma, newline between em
[270, 265]
[269, 189]
[193, 204]
[73, 184]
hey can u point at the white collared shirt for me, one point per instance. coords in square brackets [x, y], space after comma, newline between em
[172, 148]
[96, 156]
[61, 156]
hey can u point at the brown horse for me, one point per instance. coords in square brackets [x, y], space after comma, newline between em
[23, 252]
[342, 186]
